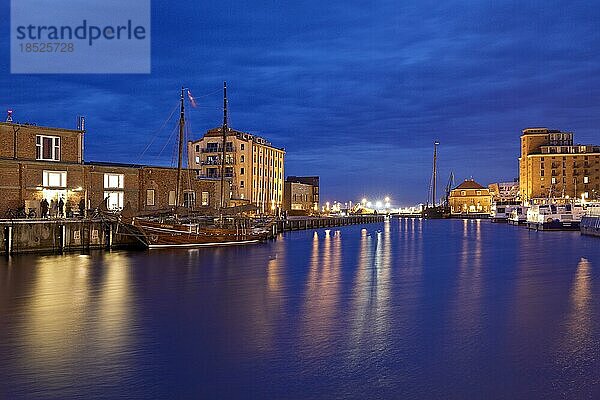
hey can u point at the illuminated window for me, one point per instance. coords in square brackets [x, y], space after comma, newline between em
[114, 200]
[114, 181]
[204, 198]
[197, 159]
[241, 184]
[172, 198]
[47, 148]
[55, 179]
[586, 179]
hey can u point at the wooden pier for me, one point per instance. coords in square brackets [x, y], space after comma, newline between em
[295, 224]
[20, 236]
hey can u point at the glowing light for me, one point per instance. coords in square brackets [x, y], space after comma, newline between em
[378, 204]
[364, 201]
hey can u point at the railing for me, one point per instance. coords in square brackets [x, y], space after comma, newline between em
[218, 162]
[217, 149]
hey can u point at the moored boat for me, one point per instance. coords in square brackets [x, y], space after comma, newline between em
[590, 222]
[500, 212]
[518, 215]
[182, 229]
[554, 217]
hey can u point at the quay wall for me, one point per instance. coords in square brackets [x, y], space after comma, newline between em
[57, 236]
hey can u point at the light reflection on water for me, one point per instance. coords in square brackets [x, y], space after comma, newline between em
[407, 308]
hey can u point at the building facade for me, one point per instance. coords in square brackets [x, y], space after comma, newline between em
[551, 166]
[504, 192]
[301, 195]
[40, 162]
[253, 166]
[470, 198]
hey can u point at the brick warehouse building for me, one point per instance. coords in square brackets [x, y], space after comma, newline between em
[41, 162]
[552, 166]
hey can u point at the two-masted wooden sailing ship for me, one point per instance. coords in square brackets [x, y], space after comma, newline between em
[181, 228]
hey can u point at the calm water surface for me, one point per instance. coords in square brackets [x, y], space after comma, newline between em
[403, 309]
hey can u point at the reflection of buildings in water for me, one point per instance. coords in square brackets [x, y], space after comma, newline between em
[370, 311]
[321, 298]
[468, 300]
[578, 333]
[71, 318]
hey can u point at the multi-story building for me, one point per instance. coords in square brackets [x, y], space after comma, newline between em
[301, 195]
[470, 198]
[504, 192]
[551, 166]
[40, 162]
[253, 166]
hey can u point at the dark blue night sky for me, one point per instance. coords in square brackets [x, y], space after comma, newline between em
[355, 91]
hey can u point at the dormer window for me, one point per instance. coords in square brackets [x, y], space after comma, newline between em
[47, 148]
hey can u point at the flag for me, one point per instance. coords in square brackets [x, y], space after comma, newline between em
[192, 100]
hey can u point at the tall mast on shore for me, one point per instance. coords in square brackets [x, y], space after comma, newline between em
[179, 160]
[435, 145]
[224, 129]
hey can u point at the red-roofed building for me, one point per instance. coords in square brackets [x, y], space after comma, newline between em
[470, 198]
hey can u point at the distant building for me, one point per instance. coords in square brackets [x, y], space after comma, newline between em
[253, 166]
[550, 165]
[301, 195]
[470, 198]
[40, 162]
[504, 192]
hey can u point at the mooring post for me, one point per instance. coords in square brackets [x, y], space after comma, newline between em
[110, 236]
[61, 238]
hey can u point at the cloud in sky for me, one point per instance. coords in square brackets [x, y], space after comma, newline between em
[355, 91]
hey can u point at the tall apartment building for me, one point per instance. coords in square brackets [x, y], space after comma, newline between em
[550, 165]
[253, 166]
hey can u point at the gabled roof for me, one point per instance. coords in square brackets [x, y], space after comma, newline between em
[469, 184]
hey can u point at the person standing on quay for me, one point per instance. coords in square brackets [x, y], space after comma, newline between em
[44, 207]
[52, 208]
[82, 208]
[61, 207]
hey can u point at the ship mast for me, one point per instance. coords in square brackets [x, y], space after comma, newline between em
[224, 129]
[435, 145]
[180, 156]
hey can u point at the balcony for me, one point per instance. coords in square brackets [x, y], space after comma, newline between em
[217, 162]
[228, 149]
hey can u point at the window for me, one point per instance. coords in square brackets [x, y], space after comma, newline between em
[150, 197]
[189, 198]
[113, 181]
[47, 148]
[197, 159]
[212, 147]
[479, 193]
[241, 184]
[172, 198]
[204, 198]
[197, 148]
[242, 148]
[242, 171]
[463, 193]
[553, 180]
[242, 157]
[586, 179]
[114, 200]
[55, 179]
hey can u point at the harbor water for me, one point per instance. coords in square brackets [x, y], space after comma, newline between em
[404, 309]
